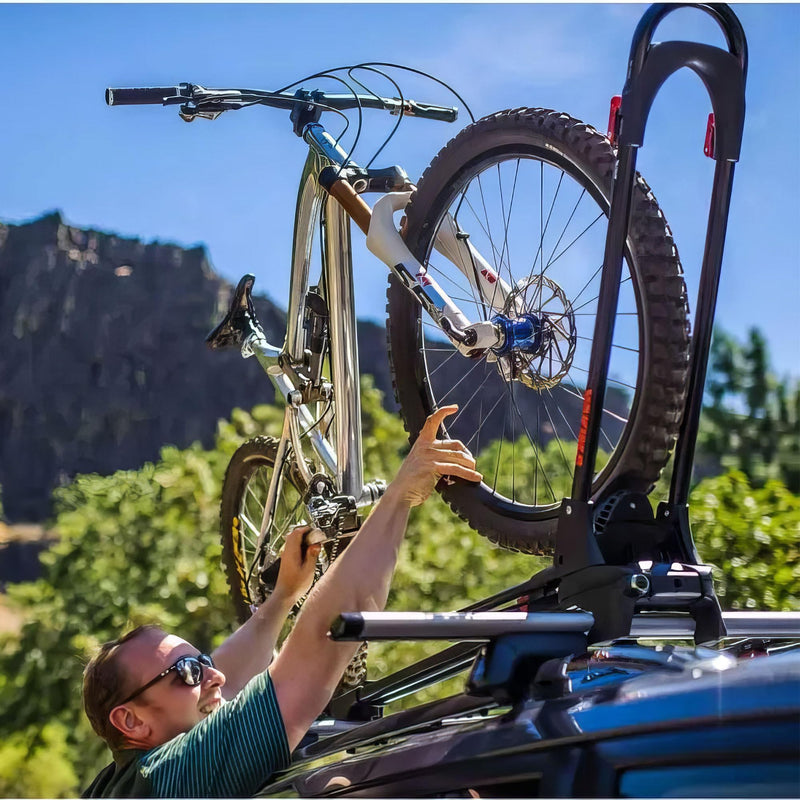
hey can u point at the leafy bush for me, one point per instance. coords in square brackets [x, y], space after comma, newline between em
[142, 546]
[752, 536]
[36, 762]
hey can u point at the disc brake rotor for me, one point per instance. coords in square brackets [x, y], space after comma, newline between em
[549, 365]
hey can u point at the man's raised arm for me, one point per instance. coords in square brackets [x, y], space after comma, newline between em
[309, 666]
[248, 650]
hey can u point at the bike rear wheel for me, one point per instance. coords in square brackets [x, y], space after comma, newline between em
[530, 189]
[251, 571]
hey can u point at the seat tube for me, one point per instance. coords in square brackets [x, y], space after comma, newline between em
[344, 349]
[309, 200]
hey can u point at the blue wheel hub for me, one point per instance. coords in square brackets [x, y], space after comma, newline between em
[523, 334]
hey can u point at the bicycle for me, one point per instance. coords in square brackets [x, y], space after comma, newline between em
[509, 345]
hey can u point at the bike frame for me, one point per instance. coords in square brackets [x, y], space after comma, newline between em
[317, 206]
[341, 458]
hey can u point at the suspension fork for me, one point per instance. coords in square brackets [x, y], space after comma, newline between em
[385, 242]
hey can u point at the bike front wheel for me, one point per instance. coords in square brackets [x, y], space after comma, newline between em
[252, 570]
[524, 196]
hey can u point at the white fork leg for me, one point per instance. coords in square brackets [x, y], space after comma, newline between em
[384, 241]
[456, 247]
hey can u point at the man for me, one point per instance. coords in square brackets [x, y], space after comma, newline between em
[180, 723]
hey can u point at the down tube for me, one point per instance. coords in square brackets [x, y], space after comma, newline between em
[344, 349]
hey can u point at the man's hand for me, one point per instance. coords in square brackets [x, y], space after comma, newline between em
[430, 459]
[296, 571]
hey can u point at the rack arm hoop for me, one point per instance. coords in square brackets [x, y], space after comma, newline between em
[721, 13]
[722, 72]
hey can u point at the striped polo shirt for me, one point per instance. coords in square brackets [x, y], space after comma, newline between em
[231, 753]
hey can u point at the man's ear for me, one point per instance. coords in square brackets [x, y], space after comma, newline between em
[128, 722]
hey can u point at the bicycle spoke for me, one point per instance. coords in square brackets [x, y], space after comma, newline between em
[535, 448]
[584, 288]
[540, 248]
[499, 453]
[594, 313]
[557, 438]
[463, 404]
[513, 450]
[618, 346]
[506, 223]
[579, 236]
[609, 380]
[563, 416]
[605, 436]
[597, 296]
[497, 267]
[472, 438]
[453, 352]
[485, 228]
[456, 385]
[541, 225]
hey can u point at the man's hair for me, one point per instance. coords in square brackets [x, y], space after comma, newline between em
[104, 685]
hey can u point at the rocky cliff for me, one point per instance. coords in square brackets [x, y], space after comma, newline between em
[103, 360]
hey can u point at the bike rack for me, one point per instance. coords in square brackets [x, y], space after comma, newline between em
[507, 649]
[612, 557]
[632, 573]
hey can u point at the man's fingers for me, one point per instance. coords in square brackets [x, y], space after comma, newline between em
[298, 530]
[294, 538]
[453, 456]
[459, 471]
[452, 444]
[313, 551]
[431, 426]
[314, 536]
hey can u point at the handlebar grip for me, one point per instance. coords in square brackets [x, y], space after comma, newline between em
[441, 113]
[136, 97]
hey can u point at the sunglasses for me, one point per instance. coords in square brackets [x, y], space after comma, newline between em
[188, 668]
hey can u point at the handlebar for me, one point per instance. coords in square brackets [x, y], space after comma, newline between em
[136, 97]
[198, 101]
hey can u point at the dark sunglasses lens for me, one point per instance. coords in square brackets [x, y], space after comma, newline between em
[190, 670]
[205, 660]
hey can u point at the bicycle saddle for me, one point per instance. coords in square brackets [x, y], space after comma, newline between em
[239, 321]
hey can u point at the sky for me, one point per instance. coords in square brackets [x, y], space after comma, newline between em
[231, 184]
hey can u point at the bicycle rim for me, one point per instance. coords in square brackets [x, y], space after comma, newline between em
[540, 224]
[252, 569]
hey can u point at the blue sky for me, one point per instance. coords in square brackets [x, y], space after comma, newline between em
[230, 184]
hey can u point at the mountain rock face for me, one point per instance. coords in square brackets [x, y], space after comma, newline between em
[103, 359]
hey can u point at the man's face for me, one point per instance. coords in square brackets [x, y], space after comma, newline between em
[169, 706]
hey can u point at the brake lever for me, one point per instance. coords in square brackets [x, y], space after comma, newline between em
[189, 113]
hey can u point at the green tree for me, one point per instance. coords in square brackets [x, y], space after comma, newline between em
[133, 547]
[142, 546]
[752, 536]
[36, 762]
[751, 418]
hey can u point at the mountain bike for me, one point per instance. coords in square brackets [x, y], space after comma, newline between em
[491, 304]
